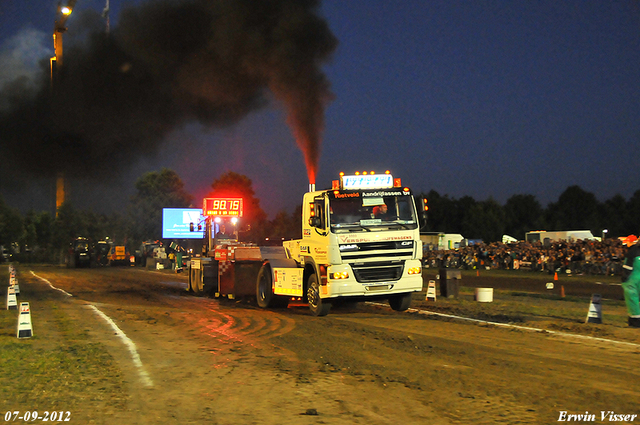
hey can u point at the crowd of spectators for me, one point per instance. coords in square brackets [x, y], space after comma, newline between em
[576, 257]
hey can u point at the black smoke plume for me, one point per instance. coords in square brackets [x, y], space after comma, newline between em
[168, 63]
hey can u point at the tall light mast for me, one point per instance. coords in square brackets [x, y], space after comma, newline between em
[56, 64]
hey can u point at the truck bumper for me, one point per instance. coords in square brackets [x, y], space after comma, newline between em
[350, 287]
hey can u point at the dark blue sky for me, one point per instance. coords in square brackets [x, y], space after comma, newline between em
[478, 98]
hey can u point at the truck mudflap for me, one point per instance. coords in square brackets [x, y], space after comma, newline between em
[287, 277]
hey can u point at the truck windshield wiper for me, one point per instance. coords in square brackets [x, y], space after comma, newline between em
[368, 229]
[351, 227]
[404, 226]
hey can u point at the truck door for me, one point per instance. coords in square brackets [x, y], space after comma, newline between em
[318, 240]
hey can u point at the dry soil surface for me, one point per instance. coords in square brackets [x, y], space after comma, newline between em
[190, 360]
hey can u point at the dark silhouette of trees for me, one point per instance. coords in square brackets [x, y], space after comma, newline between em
[484, 220]
[154, 191]
[234, 185]
[46, 236]
[11, 225]
[576, 209]
[522, 214]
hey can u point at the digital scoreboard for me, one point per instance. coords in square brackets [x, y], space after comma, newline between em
[222, 207]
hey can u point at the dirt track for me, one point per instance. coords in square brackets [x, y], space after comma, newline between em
[225, 362]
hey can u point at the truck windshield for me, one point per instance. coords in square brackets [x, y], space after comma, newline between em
[384, 213]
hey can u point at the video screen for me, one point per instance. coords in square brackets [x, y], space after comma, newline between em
[176, 221]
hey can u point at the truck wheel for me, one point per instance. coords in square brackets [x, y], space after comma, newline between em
[400, 302]
[264, 290]
[197, 284]
[264, 287]
[317, 306]
[190, 279]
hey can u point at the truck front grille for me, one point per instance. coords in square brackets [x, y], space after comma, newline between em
[354, 252]
[378, 271]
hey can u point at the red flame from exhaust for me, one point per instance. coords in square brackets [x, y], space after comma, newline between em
[310, 151]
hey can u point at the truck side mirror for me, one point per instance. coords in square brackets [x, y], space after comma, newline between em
[423, 208]
[314, 221]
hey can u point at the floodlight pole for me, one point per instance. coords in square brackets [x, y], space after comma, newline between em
[56, 64]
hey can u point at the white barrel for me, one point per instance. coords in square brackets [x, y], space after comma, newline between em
[484, 295]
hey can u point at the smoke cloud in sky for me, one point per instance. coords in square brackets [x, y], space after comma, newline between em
[20, 54]
[166, 64]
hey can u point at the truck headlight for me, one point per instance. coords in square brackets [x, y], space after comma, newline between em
[415, 270]
[339, 275]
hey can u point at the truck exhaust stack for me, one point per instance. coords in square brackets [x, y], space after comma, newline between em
[312, 187]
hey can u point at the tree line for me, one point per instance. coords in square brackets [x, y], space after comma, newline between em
[575, 209]
[42, 236]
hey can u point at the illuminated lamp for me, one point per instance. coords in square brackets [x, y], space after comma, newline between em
[341, 173]
[217, 219]
[357, 173]
[406, 189]
[387, 172]
[364, 173]
[234, 220]
[372, 172]
[415, 270]
[397, 183]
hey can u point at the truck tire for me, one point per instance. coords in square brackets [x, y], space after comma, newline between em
[400, 302]
[197, 283]
[191, 277]
[317, 305]
[264, 290]
[264, 287]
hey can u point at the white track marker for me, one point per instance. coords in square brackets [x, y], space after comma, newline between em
[12, 301]
[49, 283]
[507, 325]
[25, 329]
[431, 291]
[144, 376]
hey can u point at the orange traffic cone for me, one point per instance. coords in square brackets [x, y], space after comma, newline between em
[561, 291]
[477, 272]
[555, 276]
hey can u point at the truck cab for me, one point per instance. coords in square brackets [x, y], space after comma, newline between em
[360, 241]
